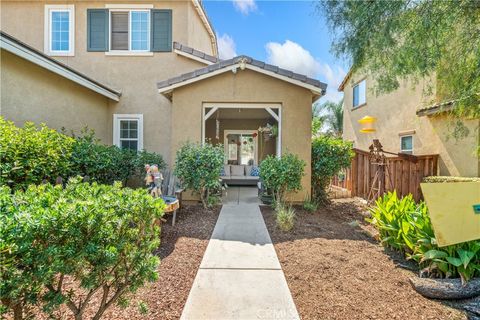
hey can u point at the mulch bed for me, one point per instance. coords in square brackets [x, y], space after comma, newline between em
[181, 251]
[335, 268]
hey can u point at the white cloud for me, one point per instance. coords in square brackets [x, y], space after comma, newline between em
[333, 76]
[245, 6]
[226, 47]
[292, 56]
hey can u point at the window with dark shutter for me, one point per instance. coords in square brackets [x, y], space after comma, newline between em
[161, 30]
[97, 30]
[119, 22]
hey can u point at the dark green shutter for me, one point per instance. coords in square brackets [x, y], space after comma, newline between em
[97, 30]
[161, 33]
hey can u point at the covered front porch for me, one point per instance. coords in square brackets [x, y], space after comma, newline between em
[249, 132]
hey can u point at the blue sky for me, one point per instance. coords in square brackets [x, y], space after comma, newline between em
[286, 33]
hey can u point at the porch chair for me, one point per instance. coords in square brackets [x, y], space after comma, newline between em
[171, 193]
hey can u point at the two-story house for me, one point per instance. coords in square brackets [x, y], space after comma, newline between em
[146, 75]
[409, 122]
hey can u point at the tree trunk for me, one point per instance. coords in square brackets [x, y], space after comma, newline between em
[446, 288]
[17, 311]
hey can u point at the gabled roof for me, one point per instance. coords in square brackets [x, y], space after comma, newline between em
[344, 81]
[208, 25]
[242, 62]
[23, 50]
[194, 54]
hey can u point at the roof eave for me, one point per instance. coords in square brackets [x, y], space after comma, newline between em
[19, 49]
[317, 92]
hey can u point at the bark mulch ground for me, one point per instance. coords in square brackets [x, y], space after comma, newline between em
[335, 268]
[181, 251]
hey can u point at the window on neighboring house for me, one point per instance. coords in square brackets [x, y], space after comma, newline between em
[359, 94]
[59, 30]
[130, 30]
[128, 131]
[406, 144]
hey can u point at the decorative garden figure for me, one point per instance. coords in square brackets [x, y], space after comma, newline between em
[153, 180]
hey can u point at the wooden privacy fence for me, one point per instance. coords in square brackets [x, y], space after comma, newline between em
[405, 175]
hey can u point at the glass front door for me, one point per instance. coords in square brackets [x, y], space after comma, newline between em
[241, 147]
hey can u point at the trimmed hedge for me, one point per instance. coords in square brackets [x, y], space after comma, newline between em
[282, 175]
[198, 168]
[329, 156]
[98, 237]
[31, 155]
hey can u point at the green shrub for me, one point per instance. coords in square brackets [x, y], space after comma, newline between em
[281, 175]
[329, 156]
[285, 217]
[440, 179]
[405, 226]
[310, 205]
[101, 238]
[198, 168]
[30, 155]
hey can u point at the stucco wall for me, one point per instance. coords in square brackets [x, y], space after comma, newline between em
[264, 147]
[135, 76]
[32, 93]
[247, 87]
[396, 114]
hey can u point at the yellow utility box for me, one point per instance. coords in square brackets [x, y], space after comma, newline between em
[454, 209]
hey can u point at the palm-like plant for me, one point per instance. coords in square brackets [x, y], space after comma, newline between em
[332, 115]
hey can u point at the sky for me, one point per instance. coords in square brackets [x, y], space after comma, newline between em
[289, 34]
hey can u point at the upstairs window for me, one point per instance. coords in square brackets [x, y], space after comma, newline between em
[360, 94]
[59, 30]
[130, 30]
[128, 131]
[406, 144]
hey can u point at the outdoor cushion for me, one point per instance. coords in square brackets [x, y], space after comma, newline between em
[226, 170]
[248, 169]
[237, 170]
[242, 177]
[255, 172]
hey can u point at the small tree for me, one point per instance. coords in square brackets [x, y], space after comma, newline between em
[198, 168]
[101, 238]
[282, 175]
[329, 156]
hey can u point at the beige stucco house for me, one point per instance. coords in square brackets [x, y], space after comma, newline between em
[408, 121]
[146, 75]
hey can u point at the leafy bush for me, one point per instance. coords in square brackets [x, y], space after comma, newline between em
[30, 155]
[285, 217]
[282, 175]
[405, 226]
[97, 238]
[329, 156]
[310, 205]
[106, 164]
[198, 168]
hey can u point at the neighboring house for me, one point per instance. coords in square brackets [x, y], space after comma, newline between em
[146, 75]
[405, 125]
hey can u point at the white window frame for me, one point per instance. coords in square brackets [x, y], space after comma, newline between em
[353, 94]
[129, 51]
[406, 151]
[116, 128]
[47, 43]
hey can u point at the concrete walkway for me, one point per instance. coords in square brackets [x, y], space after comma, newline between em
[240, 276]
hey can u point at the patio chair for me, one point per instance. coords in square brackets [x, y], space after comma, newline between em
[171, 193]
